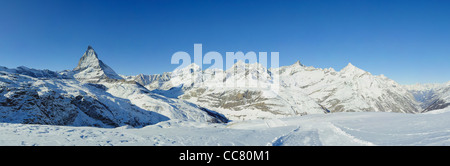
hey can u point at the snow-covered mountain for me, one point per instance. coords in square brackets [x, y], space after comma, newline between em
[431, 96]
[243, 91]
[349, 90]
[91, 68]
[93, 94]
[90, 95]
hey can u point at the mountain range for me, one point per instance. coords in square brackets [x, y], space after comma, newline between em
[93, 94]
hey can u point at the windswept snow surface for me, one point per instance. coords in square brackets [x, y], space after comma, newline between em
[358, 128]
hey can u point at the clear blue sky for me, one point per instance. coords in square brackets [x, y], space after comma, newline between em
[406, 40]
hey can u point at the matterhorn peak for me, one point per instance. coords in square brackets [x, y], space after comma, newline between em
[88, 59]
[90, 67]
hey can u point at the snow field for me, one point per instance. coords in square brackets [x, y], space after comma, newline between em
[355, 129]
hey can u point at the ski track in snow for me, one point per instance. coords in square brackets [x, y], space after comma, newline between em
[332, 129]
[311, 137]
[338, 130]
[270, 123]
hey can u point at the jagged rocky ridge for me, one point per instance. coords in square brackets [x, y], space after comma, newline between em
[303, 90]
[90, 95]
[93, 94]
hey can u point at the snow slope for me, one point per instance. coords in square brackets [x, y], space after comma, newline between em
[360, 128]
[90, 95]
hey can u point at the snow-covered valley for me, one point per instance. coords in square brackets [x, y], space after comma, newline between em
[360, 129]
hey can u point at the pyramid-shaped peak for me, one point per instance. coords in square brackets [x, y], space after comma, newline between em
[350, 68]
[88, 59]
[90, 52]
[90, 66]
[350, 65]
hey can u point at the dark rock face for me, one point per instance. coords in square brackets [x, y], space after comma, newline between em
[438, 104]
[95, 110]
[28, 107]
[218, 118]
